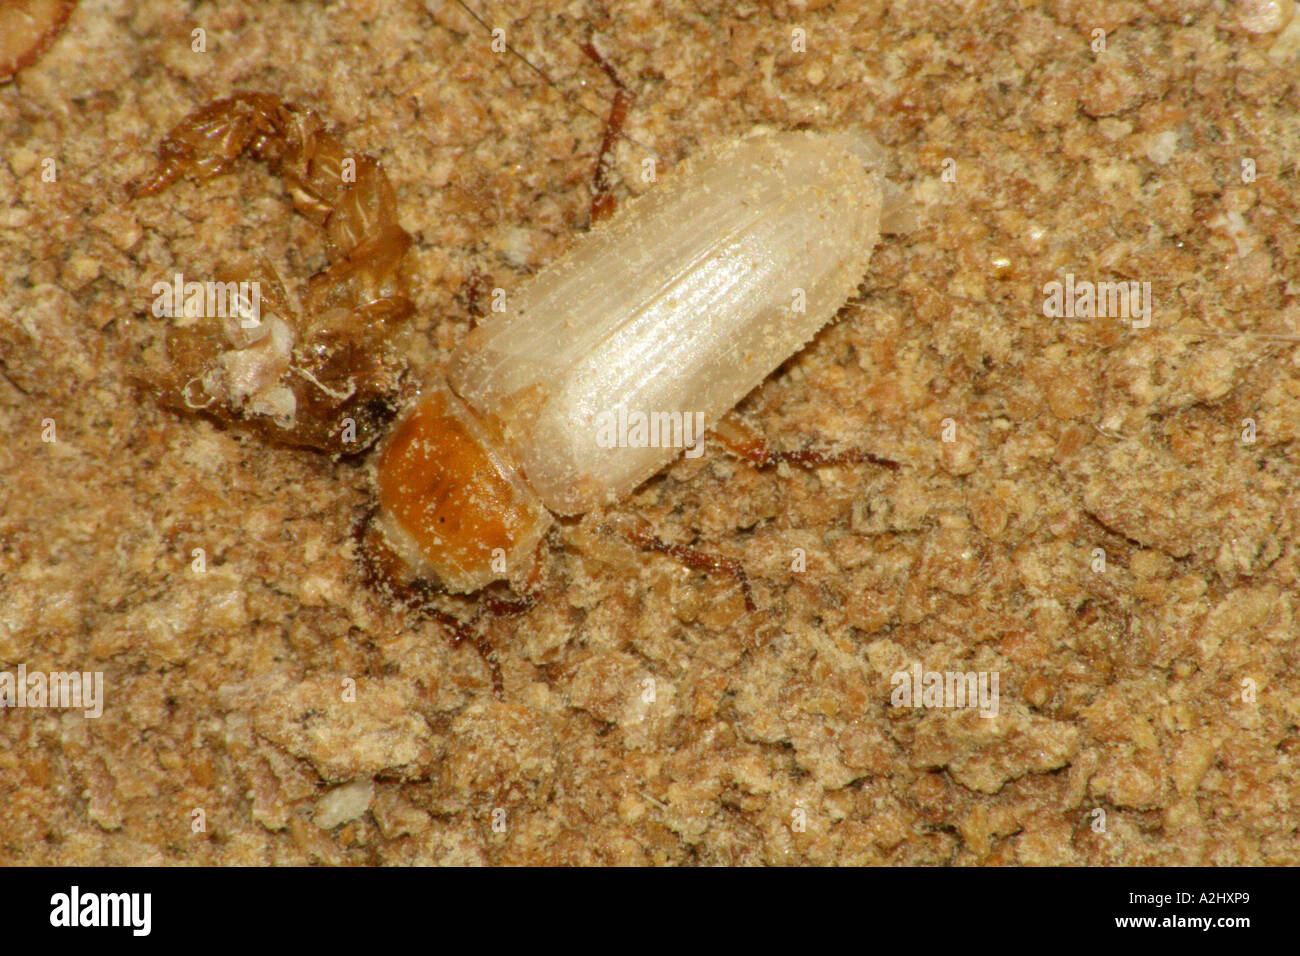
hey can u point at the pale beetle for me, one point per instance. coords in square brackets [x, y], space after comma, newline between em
[680, 305]
[676, 308]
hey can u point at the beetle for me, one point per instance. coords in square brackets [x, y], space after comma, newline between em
[673, 309]
[475, 469]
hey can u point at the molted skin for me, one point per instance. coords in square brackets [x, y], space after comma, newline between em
[325, 375]
[681, 303]
[27, 28]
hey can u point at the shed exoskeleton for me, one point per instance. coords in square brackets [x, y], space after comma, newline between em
[319, 374]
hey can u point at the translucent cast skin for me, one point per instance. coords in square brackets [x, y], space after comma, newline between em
[27, 28]
[320, 376]
[683, 302]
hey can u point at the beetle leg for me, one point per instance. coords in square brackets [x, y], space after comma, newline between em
[383, 571]
[472, 292]
[638, 531]
[467, 633]
[481, 643]
[743, 442]
[602, 198]
[474, 634]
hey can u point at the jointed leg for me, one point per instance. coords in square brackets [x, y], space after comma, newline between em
[638, 531]
[462, 632]
[602, 199]
[743, 442]
[384, 572]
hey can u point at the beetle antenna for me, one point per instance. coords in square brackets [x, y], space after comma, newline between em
[1271, 336]
[550, 82]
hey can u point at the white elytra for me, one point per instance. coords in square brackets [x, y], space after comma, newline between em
[681, 303]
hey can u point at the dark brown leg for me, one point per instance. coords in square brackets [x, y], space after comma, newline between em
[383, 572]
[472, 292]
[743, 442]
[639, 532]
[462, 633]
[602, 199]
